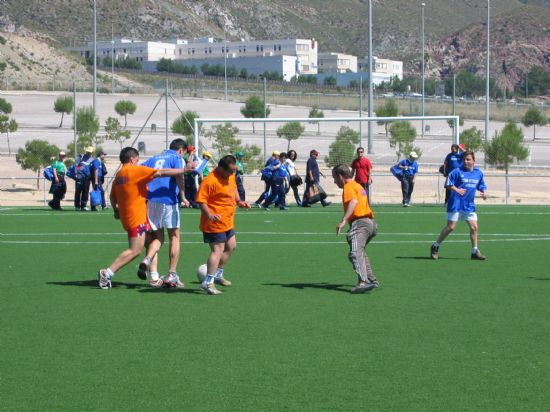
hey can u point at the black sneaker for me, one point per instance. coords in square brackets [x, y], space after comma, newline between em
[434, 252]
[478, 256]
[143, 268]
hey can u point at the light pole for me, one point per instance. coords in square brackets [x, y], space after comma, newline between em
[423, 51]
[225, 64]
[370, 103]
[112, 60]
[95, 59]
[487, 108]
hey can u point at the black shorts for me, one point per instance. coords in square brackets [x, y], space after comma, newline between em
[220, 237]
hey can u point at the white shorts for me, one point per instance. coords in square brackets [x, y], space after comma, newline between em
[162, 216]
[456, 216]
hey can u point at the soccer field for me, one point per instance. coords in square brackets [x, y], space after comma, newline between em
[452, 334]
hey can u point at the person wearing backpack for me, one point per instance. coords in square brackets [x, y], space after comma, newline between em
[59, 186]
[97, 175]
[83, 179]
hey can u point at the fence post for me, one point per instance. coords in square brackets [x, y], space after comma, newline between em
[507, 188]
[438, 188]
[44, 189]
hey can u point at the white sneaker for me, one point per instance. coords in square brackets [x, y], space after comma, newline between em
[104, 281]
[210, 289]
[156, 284]
[172, 280]
[222, 281]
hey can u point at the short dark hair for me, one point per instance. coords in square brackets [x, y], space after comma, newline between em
[342, 170]
[360, 149]
[454, 146]
[127, 154]
[226, 161]
[468, 153]
[177, 144]
[283, 154]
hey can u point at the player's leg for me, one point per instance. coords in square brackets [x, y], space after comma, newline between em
[155, 239]
[357, 239]
[404, 189]
[229, 247]
[372, 229]
[216, 252]
[473, 225]
[452, 219]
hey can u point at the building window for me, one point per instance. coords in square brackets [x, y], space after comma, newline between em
[210, 50]
[305, 68]
[244, 49]
[279, 47]
[257, 48]
[192, 51]
[240, 49]
[274, 47]
[262, 48]
[223, 49]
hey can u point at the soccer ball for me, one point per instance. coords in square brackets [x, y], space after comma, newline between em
[202, 272]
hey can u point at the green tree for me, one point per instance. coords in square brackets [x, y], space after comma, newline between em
[505, 148]
[254, 109]
[402, 136]
[63, 104]
[87, 124]
[329, 81]
[538, 81]
[225, 142]
[82, 141]
[472, 139]
[184, 125]
[290, 131]
[124, 108]
[342, 150]
[7, 126]
[460, 121]
[5, 106]
[115, 132]
[315, 113]
[533, 117]
[36, 155]
[388, 109]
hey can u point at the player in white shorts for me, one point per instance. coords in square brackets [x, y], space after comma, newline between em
[163, 213]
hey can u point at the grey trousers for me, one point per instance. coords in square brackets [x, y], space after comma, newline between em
[359, 235]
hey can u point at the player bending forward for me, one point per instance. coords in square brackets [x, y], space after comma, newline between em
[463, 184]
[128, 199]
[362, 227]
[217, 198]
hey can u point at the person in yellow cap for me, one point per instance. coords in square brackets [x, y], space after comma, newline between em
[206, 156]
[83, 179]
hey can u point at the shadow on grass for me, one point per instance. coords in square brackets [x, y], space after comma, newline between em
[327, 286]
[93, 284]
[426, 258]
[171, 290]
[534, 278]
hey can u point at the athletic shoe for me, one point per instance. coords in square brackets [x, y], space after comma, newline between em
[327, 204]
[156, 284]
[210, 289]
[103, 279]
[375, 283]
[359, 288]
[478, 256]
[305, 205]
[406, 205]
[143, 268]
[283, 208]
[172, 280]
[222, 281]
[77, 209]
[434, 252]
[85, 209]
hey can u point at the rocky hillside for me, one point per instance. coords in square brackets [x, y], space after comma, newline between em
[338, 26]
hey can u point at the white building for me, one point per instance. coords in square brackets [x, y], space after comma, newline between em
[138, 50]
[304, 50]
[337, 62]
[390, 68]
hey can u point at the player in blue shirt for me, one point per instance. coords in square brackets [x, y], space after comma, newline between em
[163, 212]
[279, 184]
[410, 169]
[97, 174]
[463, 184]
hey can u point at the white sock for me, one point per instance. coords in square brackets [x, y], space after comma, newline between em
[474, 249]
[110, 273]
[154, 275]
[209, 279]
[219, 273]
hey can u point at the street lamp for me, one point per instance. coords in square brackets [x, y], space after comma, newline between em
[95, 58]
[423, 51]
[112, 60]
[487, 108]
[370, 103]
[225, 63]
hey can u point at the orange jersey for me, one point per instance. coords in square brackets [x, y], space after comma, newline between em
[353, 190]
[220, 195]
[129, 191]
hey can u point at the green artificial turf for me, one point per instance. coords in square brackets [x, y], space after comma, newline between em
[452, 334]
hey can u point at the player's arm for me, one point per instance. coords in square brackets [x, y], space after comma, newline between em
[113, 200]
[95, 179]
[347, 213]
[168, 172]
[55, 177]
[241, 203]
[181, 185]
[206, 211]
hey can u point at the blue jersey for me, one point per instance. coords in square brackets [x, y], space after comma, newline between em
[453, 161]
[281, 172]
[464, 179]
[412, 167]
[164, 189]
[96, 165]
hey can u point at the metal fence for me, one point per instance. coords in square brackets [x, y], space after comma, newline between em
[525, 189]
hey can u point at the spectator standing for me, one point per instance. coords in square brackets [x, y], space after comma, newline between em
[192, 161]
[313, 177]
[295, 179]
[217, 198]
[239, 176]
[410, 169]
[98, 170]
[361, 167]
[453, 160]
[463, 184]
[128, 199]
[163, 213]
[83, 179]
[362, 226]
[279, 185]
[59, 185]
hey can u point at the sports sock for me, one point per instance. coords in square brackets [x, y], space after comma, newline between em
[219, 273]
[474, 249]
[209, 279]
[110, 273]
[154, 275]
[147, 260]
[436, 244]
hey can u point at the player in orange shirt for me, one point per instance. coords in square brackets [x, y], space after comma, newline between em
[128, 199]
[362, 226]
[217, 198]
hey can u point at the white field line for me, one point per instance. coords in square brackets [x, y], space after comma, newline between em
[393, 242]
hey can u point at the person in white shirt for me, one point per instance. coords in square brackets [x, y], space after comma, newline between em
[295, 179]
